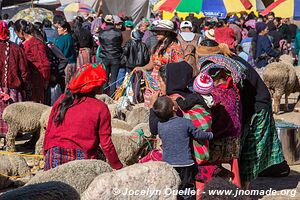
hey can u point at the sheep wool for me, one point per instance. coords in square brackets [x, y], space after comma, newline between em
[138, 115]
[78, 174]
[43, 123]
[149, 177]
[22, 117]
[105, 98]
[53, 190]
[280, 78]
[119, 124]
[11, 165]
[127, 145]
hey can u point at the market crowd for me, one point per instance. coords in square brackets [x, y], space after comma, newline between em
[204, 93]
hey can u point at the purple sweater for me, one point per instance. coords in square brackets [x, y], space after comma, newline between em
[226, 113]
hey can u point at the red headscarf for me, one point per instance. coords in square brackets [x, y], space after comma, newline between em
[87, 77]
[4, 32]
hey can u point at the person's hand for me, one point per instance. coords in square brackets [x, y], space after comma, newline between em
[139, 69]
[153, 98]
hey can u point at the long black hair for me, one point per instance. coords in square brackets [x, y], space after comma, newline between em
[63, 106]
[254, 45]
[23, 26]
[170, 37]
[70, 99]
[65, 25]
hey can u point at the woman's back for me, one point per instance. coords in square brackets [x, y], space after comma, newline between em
[81, 127]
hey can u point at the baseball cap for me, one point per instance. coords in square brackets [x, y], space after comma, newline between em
[186, 24]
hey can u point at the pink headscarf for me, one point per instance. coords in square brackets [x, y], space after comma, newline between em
[4, 31]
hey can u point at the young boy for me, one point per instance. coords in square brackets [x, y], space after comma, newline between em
[176, 133]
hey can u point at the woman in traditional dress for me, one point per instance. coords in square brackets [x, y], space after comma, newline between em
[37, 58]
[14, 73]
[79, 123]
[261, 149]
[166, 51]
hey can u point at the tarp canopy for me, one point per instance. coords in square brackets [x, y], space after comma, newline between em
[134, 8]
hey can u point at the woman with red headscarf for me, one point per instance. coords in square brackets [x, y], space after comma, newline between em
[79, 123]
[14, 74]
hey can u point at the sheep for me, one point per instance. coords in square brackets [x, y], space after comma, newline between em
[129, 145]
[151, 176]
[138, 115]
[43, 124]
[78, 174]
[280, 78]
[53, 190]
[12, 165]
[119, 124]
[105, 98]
[22, 117]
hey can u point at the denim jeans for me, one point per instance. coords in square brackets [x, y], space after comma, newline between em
[121, 76]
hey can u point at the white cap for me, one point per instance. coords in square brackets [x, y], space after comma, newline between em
[186, 24]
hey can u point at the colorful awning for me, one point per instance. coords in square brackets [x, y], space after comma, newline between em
[284, 8]
[212, 8]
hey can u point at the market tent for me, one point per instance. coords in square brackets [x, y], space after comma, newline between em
[134, 8]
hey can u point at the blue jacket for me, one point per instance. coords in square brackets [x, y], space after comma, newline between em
[264, 46]
[176, 134]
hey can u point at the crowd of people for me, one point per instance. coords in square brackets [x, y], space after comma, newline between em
[205, 70]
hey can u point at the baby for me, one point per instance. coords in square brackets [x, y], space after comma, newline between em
[203, 85]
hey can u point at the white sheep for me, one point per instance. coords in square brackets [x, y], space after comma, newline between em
[10, 166]
[280, 78]
[43, 124]
[154, 176]
[22, 117]
[53, 190]
[78, 174]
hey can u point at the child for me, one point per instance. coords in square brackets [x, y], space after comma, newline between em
[176, 133]
[203, 84]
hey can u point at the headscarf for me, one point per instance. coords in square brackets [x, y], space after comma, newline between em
[87, 77]
[4, 31]
[260, 26]
[178, 76]
[218, 61]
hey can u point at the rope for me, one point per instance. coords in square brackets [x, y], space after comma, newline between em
[142, 135]
[150, 82]
[15, 177]
[24, 155]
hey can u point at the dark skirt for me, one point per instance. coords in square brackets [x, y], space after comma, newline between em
[56, 156]
[261, 147]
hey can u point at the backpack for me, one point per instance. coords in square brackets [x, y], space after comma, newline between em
[189, 51]
[58, 62]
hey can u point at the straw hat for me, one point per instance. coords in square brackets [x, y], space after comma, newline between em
[210, 34]
[164, 25]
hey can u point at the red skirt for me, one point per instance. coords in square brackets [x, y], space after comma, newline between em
[16, 96]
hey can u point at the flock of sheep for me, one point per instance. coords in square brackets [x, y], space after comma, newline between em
[92, 179]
